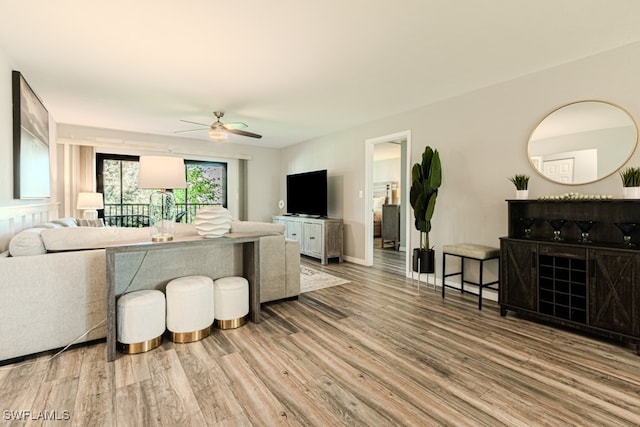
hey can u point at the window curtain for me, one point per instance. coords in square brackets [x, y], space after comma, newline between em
[80, 175]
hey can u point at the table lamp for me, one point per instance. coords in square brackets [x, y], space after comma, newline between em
[163, 174]
[89, 203]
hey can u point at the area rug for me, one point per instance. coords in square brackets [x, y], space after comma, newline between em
[312, 280]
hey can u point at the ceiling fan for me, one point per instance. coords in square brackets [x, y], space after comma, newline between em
[220, 131]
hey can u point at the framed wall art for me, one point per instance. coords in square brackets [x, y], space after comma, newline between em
[31, 162]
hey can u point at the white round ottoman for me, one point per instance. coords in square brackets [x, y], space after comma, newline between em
[231, 302]
[140, 321]
[189, 308]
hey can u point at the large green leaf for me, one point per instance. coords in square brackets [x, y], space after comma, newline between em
[415, 192]
[435, 176]
[416, 173]
[431, 205]
[427, 156]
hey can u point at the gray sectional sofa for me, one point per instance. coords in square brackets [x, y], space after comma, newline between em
[53, 280]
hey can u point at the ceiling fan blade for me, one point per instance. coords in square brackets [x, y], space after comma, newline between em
[244, 133]
[233, 126]
[189, 130]
[196, 123]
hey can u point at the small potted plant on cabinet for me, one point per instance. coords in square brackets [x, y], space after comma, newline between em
[630, 182]
[521, 182]
[426, 178]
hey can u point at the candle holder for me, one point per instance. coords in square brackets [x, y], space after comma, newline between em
[557, 225]
[584, 226]
[627, 228]
[527, 223]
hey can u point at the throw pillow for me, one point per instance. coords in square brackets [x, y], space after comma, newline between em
[47, 225]
[66, 222]
[28, 242]
[90, 222]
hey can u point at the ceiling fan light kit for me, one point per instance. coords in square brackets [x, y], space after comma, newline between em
[220, 131]
[218, 135]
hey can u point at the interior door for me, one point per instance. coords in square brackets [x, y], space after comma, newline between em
[560, 170]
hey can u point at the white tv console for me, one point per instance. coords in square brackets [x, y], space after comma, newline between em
[319, 237]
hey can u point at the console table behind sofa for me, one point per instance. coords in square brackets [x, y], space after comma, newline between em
[152, 265]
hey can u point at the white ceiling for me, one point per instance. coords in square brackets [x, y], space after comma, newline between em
[291, 69]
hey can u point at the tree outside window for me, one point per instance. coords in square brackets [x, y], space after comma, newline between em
[126, 205]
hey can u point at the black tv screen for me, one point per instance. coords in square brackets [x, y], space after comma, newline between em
[307, 193]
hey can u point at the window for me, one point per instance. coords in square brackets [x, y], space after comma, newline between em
[127, 206]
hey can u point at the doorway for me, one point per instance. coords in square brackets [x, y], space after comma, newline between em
[390, 184]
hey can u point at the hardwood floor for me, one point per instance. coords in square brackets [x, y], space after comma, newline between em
[372, 352]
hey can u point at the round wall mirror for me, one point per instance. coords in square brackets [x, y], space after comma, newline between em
[582, 142]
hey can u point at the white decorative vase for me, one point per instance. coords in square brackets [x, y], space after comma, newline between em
[522, 194]
[631, 192]
[212, 221]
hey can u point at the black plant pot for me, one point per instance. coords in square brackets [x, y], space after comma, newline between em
[424, 260]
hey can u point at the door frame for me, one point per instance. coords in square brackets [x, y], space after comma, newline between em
[404, 136]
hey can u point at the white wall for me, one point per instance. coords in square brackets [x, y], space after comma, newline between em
[18, 214]
[6, 122]
[482, 138]
[387, 170]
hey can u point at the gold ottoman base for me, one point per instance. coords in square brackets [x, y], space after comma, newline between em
[231, 323]
[184, 337]
[139, 347]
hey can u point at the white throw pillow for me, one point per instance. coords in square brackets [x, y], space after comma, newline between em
[47, 225]
[66, 222]
[28, 242]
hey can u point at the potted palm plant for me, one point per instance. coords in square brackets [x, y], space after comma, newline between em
[426, 178]
[630, 182]
[521, 182]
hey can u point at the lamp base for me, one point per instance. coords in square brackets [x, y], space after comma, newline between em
[162, 214]
[90, 214]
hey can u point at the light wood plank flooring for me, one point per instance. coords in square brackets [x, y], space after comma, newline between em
[369, 353]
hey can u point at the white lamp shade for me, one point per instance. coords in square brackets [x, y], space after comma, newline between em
[160, 172]
[90, 201]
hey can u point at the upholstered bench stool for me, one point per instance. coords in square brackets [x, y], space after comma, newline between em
[474, 252]
[140, 321]
[231, 301]
[190, 308]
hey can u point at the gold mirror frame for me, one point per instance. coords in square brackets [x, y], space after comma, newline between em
[582, 142]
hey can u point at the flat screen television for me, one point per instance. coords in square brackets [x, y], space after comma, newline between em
[307, 193]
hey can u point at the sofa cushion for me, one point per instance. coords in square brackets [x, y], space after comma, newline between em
[28, 242]
[79, 238]
[256, 227]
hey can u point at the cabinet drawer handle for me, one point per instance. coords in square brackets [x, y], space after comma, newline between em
[311, 238]
[293, 234]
